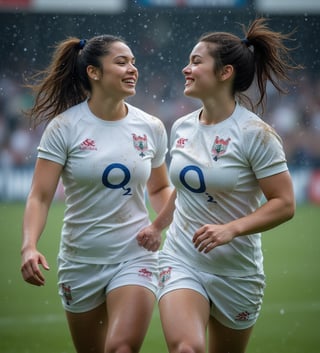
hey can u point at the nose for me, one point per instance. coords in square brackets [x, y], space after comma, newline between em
[186, 70]
[132, 68]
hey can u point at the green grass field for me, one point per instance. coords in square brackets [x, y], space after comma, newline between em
[32, 319]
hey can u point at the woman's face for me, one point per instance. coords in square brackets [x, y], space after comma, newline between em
[119, 74]
[199, 75]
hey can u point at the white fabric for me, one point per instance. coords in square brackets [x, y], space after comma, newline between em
[106, 166]
[215, 170]
[234, 301]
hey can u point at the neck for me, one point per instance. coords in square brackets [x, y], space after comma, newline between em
[108, 109]
[214, 113]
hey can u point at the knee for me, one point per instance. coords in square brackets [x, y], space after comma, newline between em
[120, 348]
[191, 348]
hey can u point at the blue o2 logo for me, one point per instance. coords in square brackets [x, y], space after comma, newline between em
[199, 175]
[197, 170]
[120, 185]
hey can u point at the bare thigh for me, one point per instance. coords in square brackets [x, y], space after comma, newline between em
[184, 316]
[88, 330]
[227, 340]
[130, 310]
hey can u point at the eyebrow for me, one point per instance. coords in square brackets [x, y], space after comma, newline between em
[195, 56]
[125, 57]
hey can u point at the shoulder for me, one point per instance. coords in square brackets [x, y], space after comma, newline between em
[140, 115]
[69, 117]
[252, 125]
[63, 126]
[187, 119]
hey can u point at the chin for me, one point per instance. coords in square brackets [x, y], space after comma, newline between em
[189, 93]
[131, 92]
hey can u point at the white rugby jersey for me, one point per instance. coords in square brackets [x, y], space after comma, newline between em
[106, 167]
[215, 170]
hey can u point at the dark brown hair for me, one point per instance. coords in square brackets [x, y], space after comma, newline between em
[261, 54]
[64, 83]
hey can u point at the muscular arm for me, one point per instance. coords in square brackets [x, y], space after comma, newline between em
[44, 184]
[158, 187]
[159, 194]
[279, 208]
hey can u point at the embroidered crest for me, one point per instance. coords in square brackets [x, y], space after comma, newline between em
[180, 142]
[219, 147]
[66, 290]
[164, 276]
[140, 143]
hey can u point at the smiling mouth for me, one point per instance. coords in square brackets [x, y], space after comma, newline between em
[130, 81]
[189, 81]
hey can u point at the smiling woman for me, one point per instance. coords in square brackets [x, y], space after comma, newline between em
[231, 183]
[107, 153]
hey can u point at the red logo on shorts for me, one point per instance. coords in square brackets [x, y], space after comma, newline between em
[244, 316]
[145, 273]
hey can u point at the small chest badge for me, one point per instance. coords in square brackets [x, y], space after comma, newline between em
[140, 143]
[219, 147]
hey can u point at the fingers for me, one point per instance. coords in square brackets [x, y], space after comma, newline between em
[204, 240]
[210, 236]
[150, 242]
[149, 238]
[199, 238]
[31, 272]
[141, 237]
[204, 244]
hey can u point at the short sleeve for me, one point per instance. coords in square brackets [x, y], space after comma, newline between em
[161, 139]
[53, 144]
[264, 149]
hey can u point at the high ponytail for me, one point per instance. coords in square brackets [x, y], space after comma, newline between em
[261, 54]
[271, 56]
[65, 83]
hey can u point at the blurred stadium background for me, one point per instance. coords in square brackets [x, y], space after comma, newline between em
[161, 34]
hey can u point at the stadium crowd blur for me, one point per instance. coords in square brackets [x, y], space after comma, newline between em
[295, 116]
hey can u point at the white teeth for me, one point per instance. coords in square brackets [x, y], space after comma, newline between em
[129, 81]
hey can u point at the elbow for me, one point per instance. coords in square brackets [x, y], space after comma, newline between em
[289, 210]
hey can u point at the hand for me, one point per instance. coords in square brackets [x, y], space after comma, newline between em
[30, 269]
[150, 238]
[210, 236]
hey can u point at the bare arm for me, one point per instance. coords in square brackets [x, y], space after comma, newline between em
[164, 218]
[44, 184]
[158, 187]
[279, 208]
[159, 191]
[150, 237]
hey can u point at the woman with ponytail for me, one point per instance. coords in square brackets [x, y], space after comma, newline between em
[231, 183]
[107, 153]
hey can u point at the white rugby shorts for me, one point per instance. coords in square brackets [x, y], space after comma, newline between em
[83, 287]
[234, 301]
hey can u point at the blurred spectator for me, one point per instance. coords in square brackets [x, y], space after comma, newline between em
[296, 117]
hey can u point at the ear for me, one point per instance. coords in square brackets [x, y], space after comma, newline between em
[226, 72]
[93, 72]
